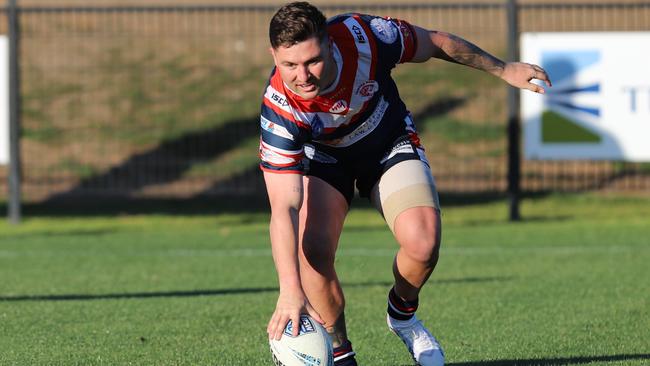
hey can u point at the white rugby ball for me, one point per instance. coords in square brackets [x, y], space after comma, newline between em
[312, 346]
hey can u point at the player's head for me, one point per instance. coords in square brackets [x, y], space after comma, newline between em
[301, 48]
[296, 22]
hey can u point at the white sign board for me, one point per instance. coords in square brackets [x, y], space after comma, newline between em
[599, 105]
[4, 100]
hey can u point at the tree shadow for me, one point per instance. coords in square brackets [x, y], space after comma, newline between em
[253, 174]
[162, 294]
[138, 295]
[165, 163]
[555, 361]
[113, 191]
[93, 233]
[207, 292]
[438, 108]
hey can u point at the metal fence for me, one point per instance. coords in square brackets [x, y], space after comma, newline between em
[164, 101]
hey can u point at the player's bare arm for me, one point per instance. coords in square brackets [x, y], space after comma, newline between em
[285, 196]
[449, 47]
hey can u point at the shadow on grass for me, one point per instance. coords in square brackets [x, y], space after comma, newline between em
[92, 233]
[115, 206]
[197, 293]
[111, 192]
[167, 162]
[555, 361]
[211, 205]
[139, 295]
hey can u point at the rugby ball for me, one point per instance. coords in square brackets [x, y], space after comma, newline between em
[312, 346]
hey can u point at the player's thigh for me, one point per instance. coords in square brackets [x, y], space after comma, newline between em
[408, 189]
[321, 219]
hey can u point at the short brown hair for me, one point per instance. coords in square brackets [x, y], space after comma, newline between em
[296, 22]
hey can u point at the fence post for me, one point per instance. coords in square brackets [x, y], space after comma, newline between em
[514, 153]
[14, 214]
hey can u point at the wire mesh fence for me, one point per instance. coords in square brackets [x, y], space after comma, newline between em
[164, 101]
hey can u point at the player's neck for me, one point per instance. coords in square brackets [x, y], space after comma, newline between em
[331, 74]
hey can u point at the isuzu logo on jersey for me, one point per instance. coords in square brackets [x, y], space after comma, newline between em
[339, 107]
[367, 89]
[357, 32]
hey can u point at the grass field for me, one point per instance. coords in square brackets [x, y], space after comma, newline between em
[568, 285]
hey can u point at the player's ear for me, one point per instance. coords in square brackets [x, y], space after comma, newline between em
[272, 52]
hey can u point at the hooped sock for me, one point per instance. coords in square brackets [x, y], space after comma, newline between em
[344, 355]
[400, 309]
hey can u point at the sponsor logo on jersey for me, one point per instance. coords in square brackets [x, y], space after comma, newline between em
[279, 99]
[358, 33]
[364, 129]
[384, 29]
[367, 89]
[339, 107]
[276, 129]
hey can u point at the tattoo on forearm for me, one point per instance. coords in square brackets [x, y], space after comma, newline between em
[467, 53]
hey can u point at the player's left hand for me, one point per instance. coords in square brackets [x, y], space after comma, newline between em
[519, 74]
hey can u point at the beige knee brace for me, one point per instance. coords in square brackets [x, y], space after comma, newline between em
[405, 185]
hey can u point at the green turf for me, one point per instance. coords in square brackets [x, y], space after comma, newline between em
[569, 285]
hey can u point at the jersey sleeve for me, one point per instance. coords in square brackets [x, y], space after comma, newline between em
[396, 40]
[281, 137]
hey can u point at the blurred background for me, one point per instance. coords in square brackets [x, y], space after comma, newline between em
[159, 99]
[146, 242]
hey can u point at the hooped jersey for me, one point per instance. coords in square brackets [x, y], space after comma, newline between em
[363, 96]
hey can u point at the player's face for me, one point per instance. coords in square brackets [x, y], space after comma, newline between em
[306, 67]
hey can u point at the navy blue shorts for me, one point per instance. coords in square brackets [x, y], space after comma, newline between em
[364, 162]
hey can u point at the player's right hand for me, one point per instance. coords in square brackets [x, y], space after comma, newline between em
[290, 305]
[520, 75]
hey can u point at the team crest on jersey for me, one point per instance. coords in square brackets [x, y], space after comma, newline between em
[367, 89]
[339, 107]
[384, 29]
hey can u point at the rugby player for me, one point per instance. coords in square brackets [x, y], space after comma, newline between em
[332, 118]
